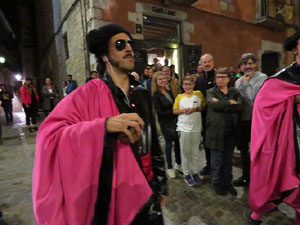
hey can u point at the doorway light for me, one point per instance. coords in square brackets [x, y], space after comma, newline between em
[18, 77]
[2, 59]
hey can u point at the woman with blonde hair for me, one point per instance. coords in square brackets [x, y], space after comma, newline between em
[163, 103]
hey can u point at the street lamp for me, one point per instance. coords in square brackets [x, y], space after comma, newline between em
[18, 77]
[2, 59]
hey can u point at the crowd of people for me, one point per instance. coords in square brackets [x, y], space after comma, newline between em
[32, 101]
[213, 105]
[99, 148]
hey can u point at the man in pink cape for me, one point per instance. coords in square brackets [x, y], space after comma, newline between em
[275, 141]
[98, 160]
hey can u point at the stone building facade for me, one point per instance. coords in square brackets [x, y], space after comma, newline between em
[224, 28]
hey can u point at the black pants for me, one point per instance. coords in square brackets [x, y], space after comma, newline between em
[30, 114]
[168, 152]
[221, 162]
[244, 134]
[207, 150]
[8, 113]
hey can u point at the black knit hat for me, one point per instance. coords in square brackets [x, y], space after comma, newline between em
[98, 39]
[291, 42]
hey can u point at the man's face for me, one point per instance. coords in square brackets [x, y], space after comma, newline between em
[199, 69]
[250, 66]
[166, 71]
[150, 73]
[94, 75]
[69, 78]
[207, 63]
[123, 59]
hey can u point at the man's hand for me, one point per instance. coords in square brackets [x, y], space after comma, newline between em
[247, 76]
[232, 102]
[130, 126]
[163, 201]
[214, 99]
[297, 99]
[27, 105]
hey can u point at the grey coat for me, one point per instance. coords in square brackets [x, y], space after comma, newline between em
[47, 96]
[216, 116]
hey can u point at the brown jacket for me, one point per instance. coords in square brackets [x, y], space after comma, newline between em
[175, 86]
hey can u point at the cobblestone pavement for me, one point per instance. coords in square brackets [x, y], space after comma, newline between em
[184, 206]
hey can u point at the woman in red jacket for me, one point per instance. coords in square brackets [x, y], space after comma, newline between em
[29, 99]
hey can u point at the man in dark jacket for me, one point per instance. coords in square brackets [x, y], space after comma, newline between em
[204, 82]
[72, 85]
[6, 97]
[222, 116]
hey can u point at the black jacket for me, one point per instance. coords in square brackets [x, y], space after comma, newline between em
[216, 116]
[164, 109]
[205, 81]
[6, 98]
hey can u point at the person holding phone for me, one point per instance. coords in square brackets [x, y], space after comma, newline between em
[29, 99]
[98, 159]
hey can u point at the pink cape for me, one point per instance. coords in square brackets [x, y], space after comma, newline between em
[68, 158]
[272, 145]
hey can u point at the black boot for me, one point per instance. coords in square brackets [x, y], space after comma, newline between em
[241, 182]
[230, 189]
[219, 189]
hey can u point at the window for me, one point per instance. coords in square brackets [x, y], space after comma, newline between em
[66, 47]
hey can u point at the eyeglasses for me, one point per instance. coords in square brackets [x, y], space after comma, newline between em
[187, 84]
[221, 77]
[121, 44]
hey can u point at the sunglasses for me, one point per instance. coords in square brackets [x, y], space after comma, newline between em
[121, 44]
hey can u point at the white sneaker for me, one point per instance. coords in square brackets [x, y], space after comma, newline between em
[178, 167]
[171, 173]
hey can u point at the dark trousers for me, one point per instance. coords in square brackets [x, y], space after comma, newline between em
[207, 150]
[30, 114]
[168, 152]
[244, 135]
[221, 162]
[8, 113]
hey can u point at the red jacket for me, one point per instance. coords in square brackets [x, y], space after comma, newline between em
[25, 96]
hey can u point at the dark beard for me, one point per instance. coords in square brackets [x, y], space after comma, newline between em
[117, 65]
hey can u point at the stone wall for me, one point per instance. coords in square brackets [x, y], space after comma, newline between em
[225, 28]
[74, 28]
